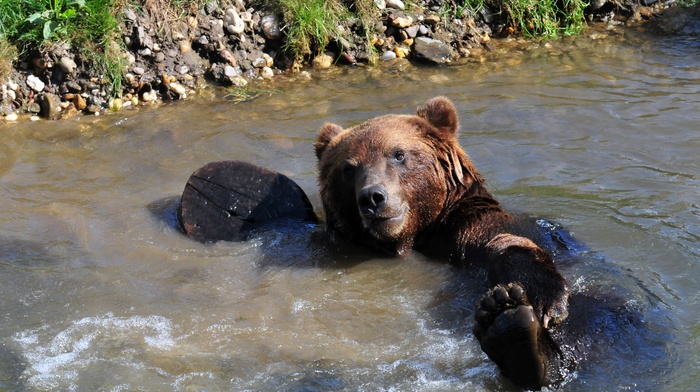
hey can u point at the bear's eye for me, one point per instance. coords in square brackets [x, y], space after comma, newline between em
[399, 156]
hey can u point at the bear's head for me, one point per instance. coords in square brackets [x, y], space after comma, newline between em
[385, 181]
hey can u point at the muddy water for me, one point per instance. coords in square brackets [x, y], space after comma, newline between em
[100, 292]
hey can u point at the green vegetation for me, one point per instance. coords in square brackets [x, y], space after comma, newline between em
[535, 18]
[310, 25]
[90, 25]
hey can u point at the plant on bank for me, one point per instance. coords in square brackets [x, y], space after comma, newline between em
[91, 26]
[535, 18]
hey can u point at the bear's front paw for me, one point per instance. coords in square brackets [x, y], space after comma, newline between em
[509, 332]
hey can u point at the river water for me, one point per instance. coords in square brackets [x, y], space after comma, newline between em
[98, 290]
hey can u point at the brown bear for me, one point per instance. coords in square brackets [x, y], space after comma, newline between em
[402, 182]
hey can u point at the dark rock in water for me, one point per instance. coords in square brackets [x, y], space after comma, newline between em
[50, 106]
[432, 50]
[225, 200]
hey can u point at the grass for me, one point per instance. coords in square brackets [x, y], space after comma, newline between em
[91, 25]
[310, 25]
[534, 18]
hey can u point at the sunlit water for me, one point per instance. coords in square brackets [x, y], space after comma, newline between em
[100, 292]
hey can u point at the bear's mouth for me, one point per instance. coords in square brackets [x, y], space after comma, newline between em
[384, 226]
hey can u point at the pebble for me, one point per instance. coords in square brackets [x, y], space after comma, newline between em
[234, 23]
[178, 89]
[231, 72]
[322, 61]
[388, 55]
[149, 96]
[402, 21]
[270, 25]
[269, 61]
[67, 64]
[185, 46]
[12, 85]
[259, 62]
[115, 104]
[267, 73]
[381, 4]
[34, 118]
[79, 102]
[144, 52]
[138, 70]
[239, 81]
[401, 51]
[11, 117]
[35, 83]
[395, 4]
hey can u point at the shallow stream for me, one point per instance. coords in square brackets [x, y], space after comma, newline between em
[98, 291]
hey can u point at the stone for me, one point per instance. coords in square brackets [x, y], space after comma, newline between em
[432, 50]
[11, 117]
[381, 4]
[402, 21]
[269, 61]
[395, 4]
[67, 64]
[177, 88]
[233, 22]
[239, 81]
[228, 57]
[388, 55]
[50, 106]
[138, 70]
[401, 51]
[34, 108]
[79, 102]
[412, 31]
[322, 61]
[259, 62]
[35, 83]
[74, 87]
[231, 72]
[116, 104]
[93, 109]
[267, 73]
[270, 25]
[149, 96]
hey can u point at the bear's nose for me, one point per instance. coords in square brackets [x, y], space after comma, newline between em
[372, 198]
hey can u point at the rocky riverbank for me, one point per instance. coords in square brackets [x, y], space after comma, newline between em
[241, 45]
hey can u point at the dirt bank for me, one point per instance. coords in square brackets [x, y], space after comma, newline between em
[245, 43]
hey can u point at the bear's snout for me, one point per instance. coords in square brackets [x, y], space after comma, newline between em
[372, 200]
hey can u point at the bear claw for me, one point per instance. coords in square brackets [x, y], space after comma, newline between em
[509, 332]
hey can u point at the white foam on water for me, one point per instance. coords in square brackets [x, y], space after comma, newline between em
[56, 358]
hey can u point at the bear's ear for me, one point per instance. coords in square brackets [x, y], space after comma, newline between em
[441, 113]
[325, 135]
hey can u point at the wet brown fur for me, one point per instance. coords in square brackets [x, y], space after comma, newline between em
[432, 199]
